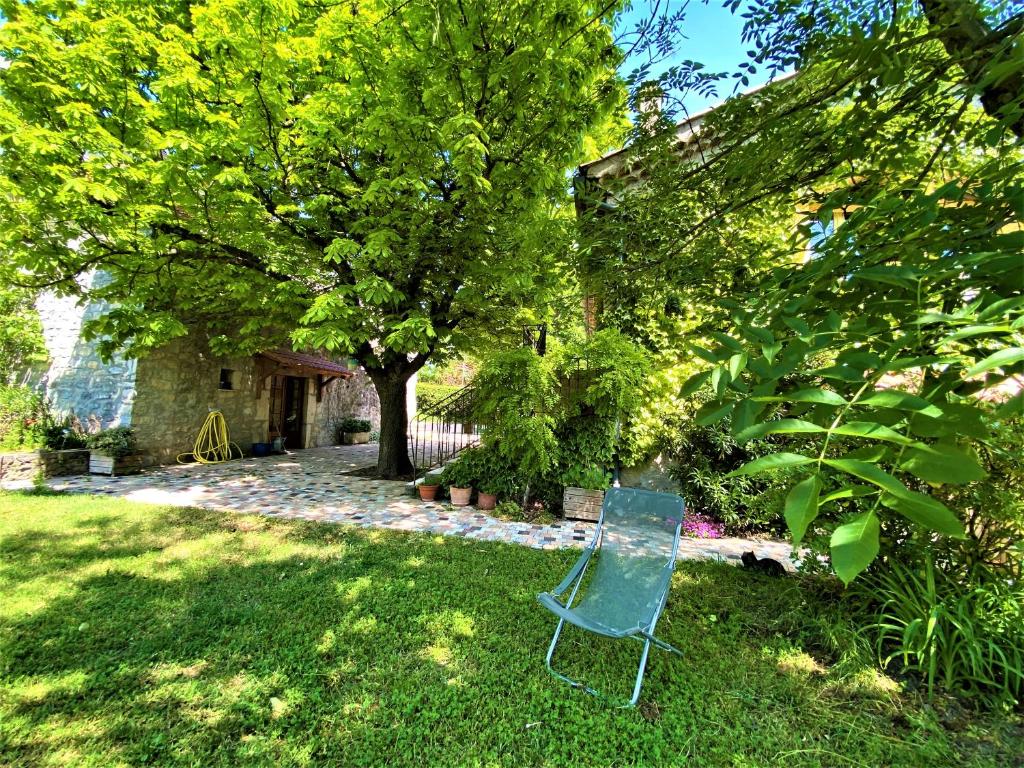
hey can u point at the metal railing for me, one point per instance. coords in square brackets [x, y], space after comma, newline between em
[441, 430]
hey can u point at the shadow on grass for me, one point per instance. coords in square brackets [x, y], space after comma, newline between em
[186, 637]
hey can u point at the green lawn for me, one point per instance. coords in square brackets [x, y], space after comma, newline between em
[133, 634]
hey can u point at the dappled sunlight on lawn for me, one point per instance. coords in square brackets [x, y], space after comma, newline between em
[137, 635]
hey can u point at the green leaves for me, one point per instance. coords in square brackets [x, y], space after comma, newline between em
[779, 427]
[1001, 359]
[770, 462]
[802, 507]
[943, 464]
[921, 509]
[854, 545]
[925, 511]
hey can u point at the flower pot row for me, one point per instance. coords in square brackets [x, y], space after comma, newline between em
[460, 497]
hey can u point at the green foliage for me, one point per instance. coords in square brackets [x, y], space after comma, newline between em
[428, 395]
[465, 470]
[518, 403]
[714, 472]
[354, 425]
[879, 325]
[22, 418]
[116, 441]
[62, 434]
[21, 334]
[588, 476]
[374, 178]
[101, 618]
[962, 635]
[499, 474]
[617, 371]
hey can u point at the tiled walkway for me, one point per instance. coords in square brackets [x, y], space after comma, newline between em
[309, 485]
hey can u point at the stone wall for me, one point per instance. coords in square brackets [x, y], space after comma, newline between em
[76, 380]
[342, 399]
[177, 387]
[26, 465]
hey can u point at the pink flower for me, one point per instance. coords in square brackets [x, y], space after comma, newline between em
[702, 527]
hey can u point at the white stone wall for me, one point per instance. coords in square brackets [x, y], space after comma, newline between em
[76, 380]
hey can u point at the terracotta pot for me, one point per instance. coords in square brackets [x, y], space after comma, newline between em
[460, 496]
[427, 492]
[486, 501]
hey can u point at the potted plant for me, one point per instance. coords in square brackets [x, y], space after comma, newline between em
[584, 491]
[459, 476]
[428, 488]
[114, 452]
[497, 478]
[354, 431]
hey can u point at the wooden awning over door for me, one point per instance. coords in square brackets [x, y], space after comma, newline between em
[284, 362]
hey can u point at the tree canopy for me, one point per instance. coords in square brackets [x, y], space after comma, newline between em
[368, 177]
[879, 323]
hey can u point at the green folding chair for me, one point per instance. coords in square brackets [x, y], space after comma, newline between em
[634, 550]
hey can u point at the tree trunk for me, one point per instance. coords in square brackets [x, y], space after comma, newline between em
[969, 40]
[393, 454]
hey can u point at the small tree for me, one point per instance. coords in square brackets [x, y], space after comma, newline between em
[21, 333]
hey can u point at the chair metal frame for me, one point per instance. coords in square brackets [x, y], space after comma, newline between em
[645, 634]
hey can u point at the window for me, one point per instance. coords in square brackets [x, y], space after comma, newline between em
[227, 378]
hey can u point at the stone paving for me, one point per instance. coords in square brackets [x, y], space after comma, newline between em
[311, 485]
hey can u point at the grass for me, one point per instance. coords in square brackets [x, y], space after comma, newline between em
[142, 635]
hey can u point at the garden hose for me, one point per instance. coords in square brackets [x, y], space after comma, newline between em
[213, 444]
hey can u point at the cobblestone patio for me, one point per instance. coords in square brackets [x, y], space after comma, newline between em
[311, 485]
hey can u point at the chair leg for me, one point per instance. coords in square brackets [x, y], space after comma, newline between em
[640, 673]
[559, 675]
[583, 687]
[664, 646]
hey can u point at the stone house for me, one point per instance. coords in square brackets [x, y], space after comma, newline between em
[166, 395]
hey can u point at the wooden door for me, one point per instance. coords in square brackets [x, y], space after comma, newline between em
[294, 412]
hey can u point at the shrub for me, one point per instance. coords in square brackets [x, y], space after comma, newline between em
[464, 471]
[964, 635]
[498, 474]
[23, 416]
[702, 456]
[64, 434]
[117, 442]
[429, 394]
[354, 425]
[588, 476]
[701, 526]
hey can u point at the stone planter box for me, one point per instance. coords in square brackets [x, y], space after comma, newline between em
[27, 465]
[355, 438]
[582, 504]
[101, 464]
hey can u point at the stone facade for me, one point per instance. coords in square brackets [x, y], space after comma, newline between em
[76, 380]
[354, 398]
[166, 395]
[27, 465]
[178, 385]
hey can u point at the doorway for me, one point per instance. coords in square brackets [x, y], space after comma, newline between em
[288, 410]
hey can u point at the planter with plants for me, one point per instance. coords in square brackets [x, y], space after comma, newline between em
[114, 452]
[460, 475]
[584, 492]
[354, 431]
[498, 479]
[429, 486]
